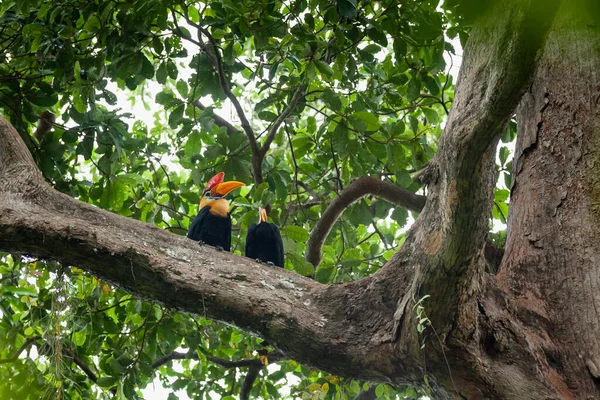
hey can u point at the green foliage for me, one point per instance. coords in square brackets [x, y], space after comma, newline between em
[144, 121]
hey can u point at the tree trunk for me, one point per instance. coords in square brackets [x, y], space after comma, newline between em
[551, 265]
[530, 332]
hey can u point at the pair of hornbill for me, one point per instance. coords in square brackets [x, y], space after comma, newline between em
[212, 225]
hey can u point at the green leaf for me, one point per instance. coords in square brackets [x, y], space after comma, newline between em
[503, 154]
[79, 99]
[332, 99]
[400, 49]
[324, 273]
[300, 265]
[296, 233]
[6, 5]
[182, 88]
[107, 381]
[92, 24]
[347, 8]
[431, 115]
[19, 290]
[371, 120]
[377, 36]
[414, 89]
[324, 68]
[432, 85]
[176, 116]
[161, 73]
[400, 215]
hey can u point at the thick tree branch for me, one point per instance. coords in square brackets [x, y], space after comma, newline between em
[461, 176]
[219, 121]
[355, 191]
[304, 319]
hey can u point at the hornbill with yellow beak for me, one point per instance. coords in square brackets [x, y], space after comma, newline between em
[263, 241]
[212, 225]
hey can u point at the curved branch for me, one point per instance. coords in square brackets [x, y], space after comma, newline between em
[355, 191]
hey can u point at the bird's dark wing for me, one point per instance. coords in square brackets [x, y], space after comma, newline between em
[279, 253]
[250, 245]
[212, 229]
[227, 234]
[195, 231]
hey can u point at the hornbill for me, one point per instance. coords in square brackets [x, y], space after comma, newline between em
[263, 241]
[212, 225]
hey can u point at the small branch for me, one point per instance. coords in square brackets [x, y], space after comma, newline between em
[234, 364]
[216, 56]
[295, 207]
[174, 355]
[298, 94]
[219, 121]
[251, 376]
[355, 191]
[21, 349]
[272, 357]
[212, 52]
[83, 366]
[335, 164]
[308, 189]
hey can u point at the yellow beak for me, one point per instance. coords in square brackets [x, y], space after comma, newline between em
[262, 215]
[223, 188]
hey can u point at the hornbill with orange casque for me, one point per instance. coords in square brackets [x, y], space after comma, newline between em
[212, 225]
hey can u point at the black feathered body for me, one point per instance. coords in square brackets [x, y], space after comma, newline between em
[212, 229]
[264, 243]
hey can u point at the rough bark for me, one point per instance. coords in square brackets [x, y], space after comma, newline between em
[550, 270]
[531, 332]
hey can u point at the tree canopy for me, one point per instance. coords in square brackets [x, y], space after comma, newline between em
[327, 109]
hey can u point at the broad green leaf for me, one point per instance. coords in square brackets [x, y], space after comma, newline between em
[300, 265]
[324, 68]
[324, 274]
[297, 233]
[371, 120]
[431, 115]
